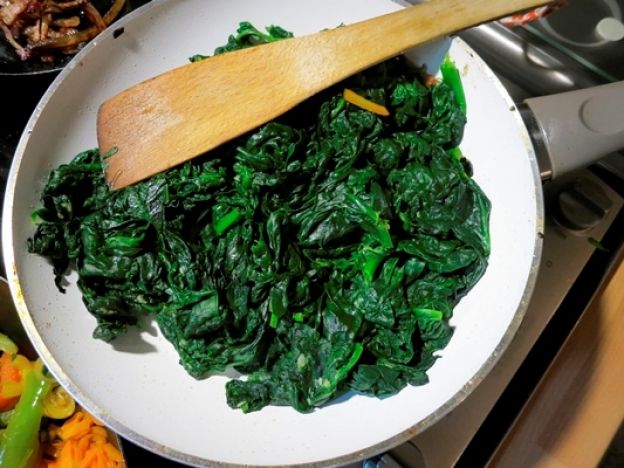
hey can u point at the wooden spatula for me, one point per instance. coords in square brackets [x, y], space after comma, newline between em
[185, 112]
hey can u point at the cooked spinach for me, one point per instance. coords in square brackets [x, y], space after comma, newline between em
[322, 252]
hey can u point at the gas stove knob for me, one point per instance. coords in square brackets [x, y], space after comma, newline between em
[581, 205]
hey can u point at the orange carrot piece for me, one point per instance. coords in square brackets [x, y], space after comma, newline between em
[83, 443]
[77, 426]
[90, 458]
[99, 433]
[113, 453]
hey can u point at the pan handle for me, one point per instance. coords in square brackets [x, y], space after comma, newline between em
[576, 128]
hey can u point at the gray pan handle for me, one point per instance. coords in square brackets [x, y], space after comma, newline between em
[576, 128]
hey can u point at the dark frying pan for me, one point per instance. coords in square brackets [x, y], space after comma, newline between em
[11, 64]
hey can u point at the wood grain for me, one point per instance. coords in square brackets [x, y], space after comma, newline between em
[183, 113]
[578, 406]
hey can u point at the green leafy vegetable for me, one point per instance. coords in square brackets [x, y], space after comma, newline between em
[322, 252]
[451, 77]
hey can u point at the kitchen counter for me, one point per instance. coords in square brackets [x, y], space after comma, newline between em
[577, 408]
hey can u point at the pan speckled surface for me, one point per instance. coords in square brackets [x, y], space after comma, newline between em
[136, 384]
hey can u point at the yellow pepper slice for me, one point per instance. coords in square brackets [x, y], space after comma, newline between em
[363, 103]
[12, 376]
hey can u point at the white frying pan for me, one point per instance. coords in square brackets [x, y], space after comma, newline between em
[136, 385]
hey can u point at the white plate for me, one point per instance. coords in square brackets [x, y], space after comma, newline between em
[136, 386]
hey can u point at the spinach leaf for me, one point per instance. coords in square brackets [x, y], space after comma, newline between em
[320, 253]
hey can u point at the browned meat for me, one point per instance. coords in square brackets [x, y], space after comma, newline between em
[44, 28]
[12, 10]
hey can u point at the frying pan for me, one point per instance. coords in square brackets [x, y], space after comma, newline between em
[135, 385]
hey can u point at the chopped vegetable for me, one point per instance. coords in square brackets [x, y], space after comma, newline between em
[7, 345]
[13, 369]
[363, 103]
[321, 253]
[451, 77]
[58, 404]
[19, 443]
[10, 382]
[81, 442]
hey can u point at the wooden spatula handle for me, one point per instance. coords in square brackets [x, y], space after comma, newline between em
[386, 36]
[183, 113]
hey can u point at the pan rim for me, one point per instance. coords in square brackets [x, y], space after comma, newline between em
[125, 432]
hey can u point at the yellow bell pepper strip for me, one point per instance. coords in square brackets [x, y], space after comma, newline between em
[13, 368]
[363, 103]
[19, 444]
